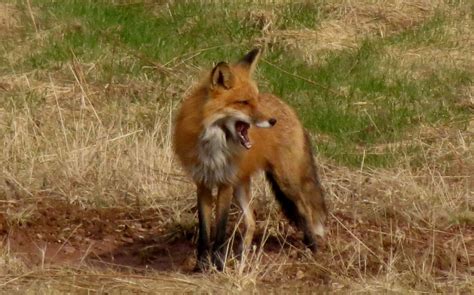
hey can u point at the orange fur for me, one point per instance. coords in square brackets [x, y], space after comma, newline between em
[206, 143]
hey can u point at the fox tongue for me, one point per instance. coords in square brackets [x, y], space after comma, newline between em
[242, 128]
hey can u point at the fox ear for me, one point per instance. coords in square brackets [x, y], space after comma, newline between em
[221, 76]
[249, 61]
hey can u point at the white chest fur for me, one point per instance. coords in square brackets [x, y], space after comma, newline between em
[215, 156]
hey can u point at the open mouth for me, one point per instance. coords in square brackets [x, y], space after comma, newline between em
[242, 132]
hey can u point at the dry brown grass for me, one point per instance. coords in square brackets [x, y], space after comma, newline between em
[9, 21]
[346, 24]
[399, 229]
[407, 229]
[454, 51]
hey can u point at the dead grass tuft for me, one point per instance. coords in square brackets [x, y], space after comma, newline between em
[382, 17]
[452, 51]
[9, 19]
[347, 23]
[263, 20]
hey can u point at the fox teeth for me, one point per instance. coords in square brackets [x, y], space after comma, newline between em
[245, 142]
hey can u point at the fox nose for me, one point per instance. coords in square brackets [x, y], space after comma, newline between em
[272, 121]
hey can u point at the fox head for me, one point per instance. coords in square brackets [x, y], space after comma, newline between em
[232, 102]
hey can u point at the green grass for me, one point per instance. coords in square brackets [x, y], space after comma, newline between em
[301, 15]
[362, 97]
[159, 35]
[393, 103]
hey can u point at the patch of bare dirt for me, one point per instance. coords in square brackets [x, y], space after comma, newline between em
[55, 232]
[60, 233]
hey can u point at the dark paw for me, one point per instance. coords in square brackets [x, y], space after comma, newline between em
[218, 259]
[310, 243]
[202, 265]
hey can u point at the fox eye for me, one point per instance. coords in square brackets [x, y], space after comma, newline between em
[244, 102]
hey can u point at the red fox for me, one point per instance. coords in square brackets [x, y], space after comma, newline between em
[226, 131]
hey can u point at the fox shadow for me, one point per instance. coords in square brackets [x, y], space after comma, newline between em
[173, 254]
[157, 253]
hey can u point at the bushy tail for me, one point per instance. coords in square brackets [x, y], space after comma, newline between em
[311, 212]
[287, 205]
[313, 172]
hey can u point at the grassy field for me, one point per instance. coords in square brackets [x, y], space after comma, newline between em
[92, 199]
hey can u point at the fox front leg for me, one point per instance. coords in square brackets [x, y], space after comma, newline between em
[219, 253]
[204, 196]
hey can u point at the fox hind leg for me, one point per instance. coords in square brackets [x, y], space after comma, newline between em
[294, 206]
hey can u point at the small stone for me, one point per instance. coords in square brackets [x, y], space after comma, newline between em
[299, 274]
[127, 240]
[69, 249]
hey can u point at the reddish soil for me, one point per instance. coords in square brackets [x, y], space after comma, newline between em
[54, 232]
[61, 233]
